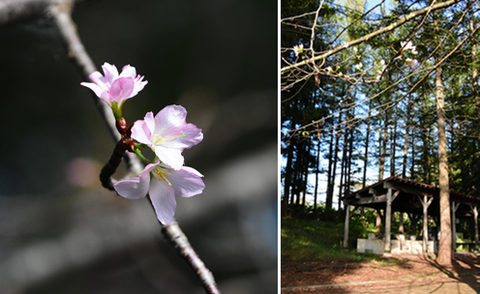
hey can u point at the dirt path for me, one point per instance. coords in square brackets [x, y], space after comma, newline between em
[396, 274]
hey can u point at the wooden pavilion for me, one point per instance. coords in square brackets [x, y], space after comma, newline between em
[415, 199]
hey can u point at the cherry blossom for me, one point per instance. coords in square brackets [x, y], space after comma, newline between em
[408, 46]
[298, 49]
[114, 88]
[162, 183]
[411, 62]
[168, 134]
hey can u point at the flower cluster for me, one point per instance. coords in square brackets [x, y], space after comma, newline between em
[298, 49]
[167, 134]
[408, 46]
[114, 88]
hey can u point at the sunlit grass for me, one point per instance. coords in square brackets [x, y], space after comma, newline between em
[316, 240]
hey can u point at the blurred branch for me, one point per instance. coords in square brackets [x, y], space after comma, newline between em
[61, 14]
[12, 11]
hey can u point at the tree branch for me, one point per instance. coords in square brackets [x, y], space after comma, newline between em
[179, 241]
[61, 14]
[60, 11]
[14, 11]
[371, 35]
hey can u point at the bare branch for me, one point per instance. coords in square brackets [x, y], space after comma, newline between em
[174, 234]
[12, 11]
[371, 35]
[60, 11]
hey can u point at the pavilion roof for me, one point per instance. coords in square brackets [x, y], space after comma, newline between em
[407, 199]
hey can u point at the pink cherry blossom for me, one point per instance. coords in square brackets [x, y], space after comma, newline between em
[162, 184]
[411, 62]
[168, 134]
[298, 49]
[114, 87]
[408, 46]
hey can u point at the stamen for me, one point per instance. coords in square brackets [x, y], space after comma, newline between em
[157, 139]
[161, 175]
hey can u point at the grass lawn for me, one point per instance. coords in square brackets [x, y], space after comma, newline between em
[316, 240]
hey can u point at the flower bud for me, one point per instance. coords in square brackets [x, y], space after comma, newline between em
[121, 125]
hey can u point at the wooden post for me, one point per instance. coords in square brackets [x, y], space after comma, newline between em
[425, 203]
[347, 224]
[475, 219]
[425, 224]
[454, 226]
[388, 221]
[378, 221]
[401, 229]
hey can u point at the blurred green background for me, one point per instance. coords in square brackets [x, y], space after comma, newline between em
[60, 232]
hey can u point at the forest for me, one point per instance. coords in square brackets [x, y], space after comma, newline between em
[377, 89]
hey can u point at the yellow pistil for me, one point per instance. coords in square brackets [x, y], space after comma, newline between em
[157, 139]
[161, 175]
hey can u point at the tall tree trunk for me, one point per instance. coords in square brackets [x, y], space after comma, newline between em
[381, 151]
[445, 247]
[393, 146]
[405, 145]
[329, 197]
[305, 174]
[316, 177]
[335, 159]
[476, 166]
[342, 170]
[365, 159]
[288, 180]
[349, 164]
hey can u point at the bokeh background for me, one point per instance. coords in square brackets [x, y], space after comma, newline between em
[60, 232]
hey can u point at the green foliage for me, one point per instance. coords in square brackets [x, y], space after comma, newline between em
[317, 240]
[363, 223]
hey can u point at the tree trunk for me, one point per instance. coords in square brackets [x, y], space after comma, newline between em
[365, 159]
[334, 166]
[287, 180]
[445, 246]
[329, 196]
[316, 177]
[476, 92]
[305, 174]
[405, 145]
[393, 145]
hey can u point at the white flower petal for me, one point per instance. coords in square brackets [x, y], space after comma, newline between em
[141, 132]
[170, 121]
[169, 156]
[187, 182]
[163, 200]
[133, 188]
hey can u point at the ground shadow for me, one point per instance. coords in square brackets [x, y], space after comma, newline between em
[465, 268]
